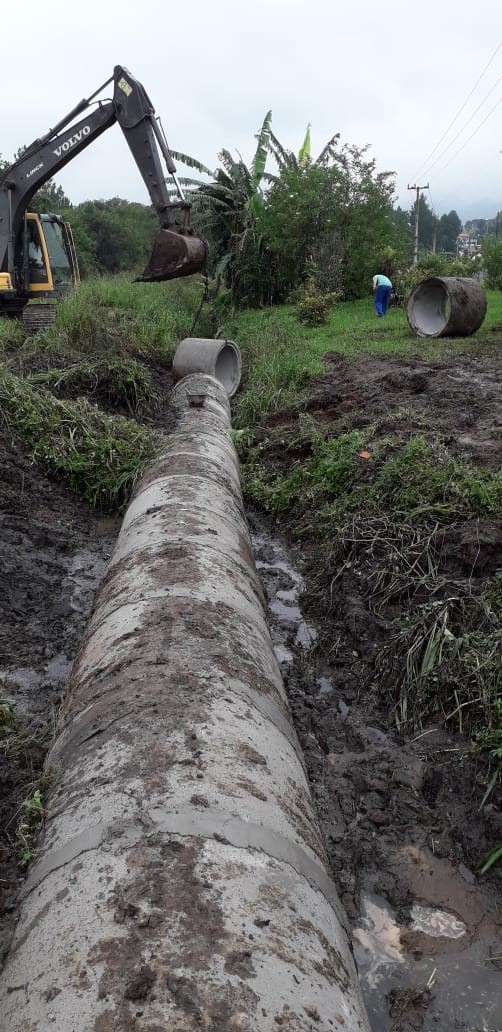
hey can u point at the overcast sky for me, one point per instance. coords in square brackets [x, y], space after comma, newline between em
[392, 75]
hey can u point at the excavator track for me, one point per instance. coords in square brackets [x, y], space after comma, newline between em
[38, 318]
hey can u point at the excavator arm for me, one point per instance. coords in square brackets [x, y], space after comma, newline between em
[178, 251]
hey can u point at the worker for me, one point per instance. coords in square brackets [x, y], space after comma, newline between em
[382, 291]
[35, 254]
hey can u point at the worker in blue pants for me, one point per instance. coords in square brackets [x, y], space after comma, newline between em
[382, 290]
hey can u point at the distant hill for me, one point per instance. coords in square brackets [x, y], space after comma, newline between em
[485, 227]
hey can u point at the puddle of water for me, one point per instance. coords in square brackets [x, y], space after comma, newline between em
[284, 603]
[283, 654]
[34, 689]
[85, 571]
[24, 678]
[377, 941]
[436, 922]
[465, 984]
[325, 685]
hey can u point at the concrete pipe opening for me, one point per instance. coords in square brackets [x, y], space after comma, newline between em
[446, 306]
[218, 358]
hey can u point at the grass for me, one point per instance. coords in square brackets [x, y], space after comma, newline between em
[281, 357]
[107, 336]
[120, 382]
[377, 501]
[100, 456]
[8, 726]
[112, 315]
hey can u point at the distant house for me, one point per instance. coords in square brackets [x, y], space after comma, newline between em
[468, 245]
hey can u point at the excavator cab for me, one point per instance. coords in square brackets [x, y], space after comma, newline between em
[45, 259]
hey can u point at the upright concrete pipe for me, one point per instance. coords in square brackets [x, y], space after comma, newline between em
[182, 882]
[446, 306]
[218, 358]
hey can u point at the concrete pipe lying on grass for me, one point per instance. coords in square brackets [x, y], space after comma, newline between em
[182, 880]
[218, 358]
[446, 306]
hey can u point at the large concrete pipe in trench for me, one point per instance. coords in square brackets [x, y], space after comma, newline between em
[446, 306]
[182, 880]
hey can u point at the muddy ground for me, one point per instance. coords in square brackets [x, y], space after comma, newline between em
[400, 816]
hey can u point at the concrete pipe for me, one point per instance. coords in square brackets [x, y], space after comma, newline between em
[182, 880]
[446, 306]
[218, 358]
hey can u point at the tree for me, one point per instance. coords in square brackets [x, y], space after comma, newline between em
[228, 211]
[492, 261]
[331, 219]
[50, 199]
[426, 224]
[448, 228]
[112, 236]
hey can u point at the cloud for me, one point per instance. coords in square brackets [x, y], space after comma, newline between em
[391, 76]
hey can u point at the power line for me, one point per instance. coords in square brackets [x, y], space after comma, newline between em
[481, 124]
[459, 112]
[469, 120]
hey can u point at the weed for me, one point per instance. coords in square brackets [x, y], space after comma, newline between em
[493, 856]
[118, 381]
[99, 456]
[313, 309]
[28, 826]
[424, 479]
[11, 334]
[113, 315]
[7, 724]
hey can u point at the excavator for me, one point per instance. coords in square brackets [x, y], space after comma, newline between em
[38, 260]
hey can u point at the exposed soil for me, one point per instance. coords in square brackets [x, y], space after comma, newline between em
[53, 552]
[402, 828]
[400, 816]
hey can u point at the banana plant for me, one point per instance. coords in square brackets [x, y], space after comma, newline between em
[228, 208]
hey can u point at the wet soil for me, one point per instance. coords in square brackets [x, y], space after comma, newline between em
[53, 553]
[401, 824]
[400, 816]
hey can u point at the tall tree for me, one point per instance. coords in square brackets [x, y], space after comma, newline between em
[426, 224]
[449, 226]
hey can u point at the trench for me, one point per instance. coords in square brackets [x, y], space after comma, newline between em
[428, 964]
[431, 963]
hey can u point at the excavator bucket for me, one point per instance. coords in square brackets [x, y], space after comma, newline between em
[176, 252]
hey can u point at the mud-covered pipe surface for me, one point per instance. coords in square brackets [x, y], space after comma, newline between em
[182, 881]
[446, 306]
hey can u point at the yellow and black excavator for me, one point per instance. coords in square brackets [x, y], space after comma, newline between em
[38, 260]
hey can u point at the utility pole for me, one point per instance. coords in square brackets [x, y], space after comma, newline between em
[418, 189]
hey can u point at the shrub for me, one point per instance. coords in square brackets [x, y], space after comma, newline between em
[313, 306]
[492, 262]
